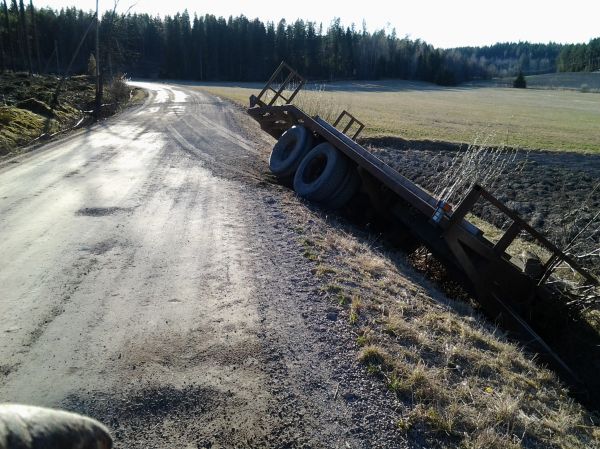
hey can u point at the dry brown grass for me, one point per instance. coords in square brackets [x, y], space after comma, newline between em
[462, 383]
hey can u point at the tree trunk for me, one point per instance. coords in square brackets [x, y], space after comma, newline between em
[25, 35]
[110, 67]
[19, 36]
[9, 43]
[36, 40]
[57, 58]
[2, 55]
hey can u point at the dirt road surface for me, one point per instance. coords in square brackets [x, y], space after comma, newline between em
[149, 278]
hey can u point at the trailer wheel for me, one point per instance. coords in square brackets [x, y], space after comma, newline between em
[321, 173]
[346, 191]
[289, 150]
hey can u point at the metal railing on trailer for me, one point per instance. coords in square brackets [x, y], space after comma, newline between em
[503, 289]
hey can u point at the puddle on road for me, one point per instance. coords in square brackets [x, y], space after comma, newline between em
[137, 410]
[101, 211]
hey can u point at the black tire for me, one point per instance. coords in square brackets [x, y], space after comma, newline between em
[321, 173]
[346, 191]
[289, 151]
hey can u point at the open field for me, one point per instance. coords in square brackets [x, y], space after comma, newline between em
[536, 119]
[547, 188]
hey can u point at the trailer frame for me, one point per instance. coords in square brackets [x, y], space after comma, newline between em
[501, 287]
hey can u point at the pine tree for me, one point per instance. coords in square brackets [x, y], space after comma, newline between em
[25, 35]
[238, 49]
[2, 53]
[36, 40]
[519, 81]
[9, 42]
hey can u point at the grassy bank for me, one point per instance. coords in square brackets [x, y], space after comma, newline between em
[460, 382]
[536, 119]
[27, 115]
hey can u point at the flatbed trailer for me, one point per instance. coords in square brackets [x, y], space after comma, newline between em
[507, 293]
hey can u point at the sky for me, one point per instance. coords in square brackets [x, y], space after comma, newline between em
[443, 23]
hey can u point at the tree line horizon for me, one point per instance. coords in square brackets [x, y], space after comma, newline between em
[211, 48]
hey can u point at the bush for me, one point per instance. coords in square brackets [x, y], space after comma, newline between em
[118, 90]
[519, 81]
[445, 78]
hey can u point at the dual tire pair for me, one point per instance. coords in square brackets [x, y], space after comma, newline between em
[321, 174]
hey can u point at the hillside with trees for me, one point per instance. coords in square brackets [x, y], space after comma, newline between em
[215, 48]
[210, 48]
[580, 57]
[509, 58]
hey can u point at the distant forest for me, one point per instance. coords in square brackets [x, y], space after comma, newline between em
[580, 57]
[239, 49]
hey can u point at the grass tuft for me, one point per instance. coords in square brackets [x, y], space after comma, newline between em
[355, 308]
[373, 355]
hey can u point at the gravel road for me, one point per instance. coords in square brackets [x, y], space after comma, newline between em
[149, 278]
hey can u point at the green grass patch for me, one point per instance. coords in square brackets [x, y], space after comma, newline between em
[26, 113]
[20, 126]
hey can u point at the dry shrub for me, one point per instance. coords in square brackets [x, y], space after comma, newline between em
[577, 232]
[312, 99]
[118, 90]
[479, 163]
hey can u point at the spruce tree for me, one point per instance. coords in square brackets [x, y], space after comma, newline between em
[519, 81]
